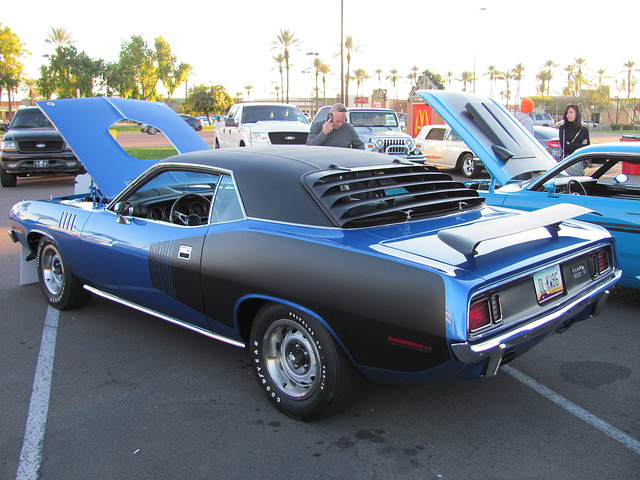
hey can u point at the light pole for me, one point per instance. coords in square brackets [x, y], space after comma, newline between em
[341, 51]
[315, 55]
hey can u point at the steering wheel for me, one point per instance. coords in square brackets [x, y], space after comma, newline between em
[183, 215]
[578, 191]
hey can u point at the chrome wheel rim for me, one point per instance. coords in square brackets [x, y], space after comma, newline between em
[292, 358]
[52, 270]
[467, 166]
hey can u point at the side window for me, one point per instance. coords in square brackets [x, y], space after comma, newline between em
[226, 204]
[453, 137]
[435, 134]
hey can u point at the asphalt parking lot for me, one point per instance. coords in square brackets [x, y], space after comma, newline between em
[130, 397]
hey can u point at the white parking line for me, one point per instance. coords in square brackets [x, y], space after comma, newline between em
[581, 413]
[31, 454]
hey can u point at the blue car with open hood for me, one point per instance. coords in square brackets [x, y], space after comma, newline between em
[593, 177]
[328, 265]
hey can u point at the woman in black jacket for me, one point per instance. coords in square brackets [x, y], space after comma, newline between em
[572, 134]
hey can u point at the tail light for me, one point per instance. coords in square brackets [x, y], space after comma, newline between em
[554, 144]
[599, 263]
[479, 315]
[485, 312]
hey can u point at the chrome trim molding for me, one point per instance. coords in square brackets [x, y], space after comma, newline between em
[166, 318]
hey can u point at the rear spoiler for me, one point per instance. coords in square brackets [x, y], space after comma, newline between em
[465, 239]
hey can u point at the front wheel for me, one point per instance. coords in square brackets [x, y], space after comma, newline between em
[7, 179]
[59, 285]
[468, 166]
[300, 368]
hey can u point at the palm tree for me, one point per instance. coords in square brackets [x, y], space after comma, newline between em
[543, 78]
[506, 76]
[324, 70]
[549, 64]
[351, 46]
[631, 79]
[393, 78]
[601, 74]
[378, 73]
[317, 63]
[248, 88]
[277, 89]
[449, 76]
[413, 76]
[467, 77]
[517, 76]
[279, 59]
[286, 40]
[59, 37]
[492, 71]
[569, 88]
[360, 75]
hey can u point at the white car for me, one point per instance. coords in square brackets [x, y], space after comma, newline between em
[544, 119]
[444, 148]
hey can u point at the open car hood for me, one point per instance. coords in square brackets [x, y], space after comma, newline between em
[84, 124]
[494, 135]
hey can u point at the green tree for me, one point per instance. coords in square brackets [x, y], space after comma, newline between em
[286, 40]
[248, 88]
[170, 73]
[69, 74]
[549, 64]
[211, 100]
[11, 50]
[138, 63]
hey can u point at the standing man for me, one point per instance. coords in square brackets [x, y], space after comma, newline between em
[335, 131]
[524, 115]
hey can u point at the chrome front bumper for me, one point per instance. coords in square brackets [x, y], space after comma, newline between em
[493, 350]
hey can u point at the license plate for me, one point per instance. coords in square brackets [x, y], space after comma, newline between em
[548, 283]
[41, 163]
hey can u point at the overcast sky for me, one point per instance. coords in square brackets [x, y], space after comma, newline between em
[231, 43]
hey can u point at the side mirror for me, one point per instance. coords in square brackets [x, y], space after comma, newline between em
[230, 123]
[4, 127]
[123, 209]
[550, 187]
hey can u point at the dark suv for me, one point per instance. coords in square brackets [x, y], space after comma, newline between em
[32, 146]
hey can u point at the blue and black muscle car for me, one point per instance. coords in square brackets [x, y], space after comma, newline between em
[328, 265]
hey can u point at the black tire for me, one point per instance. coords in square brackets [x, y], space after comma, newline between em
[60, 286]
[152, 130]
[8, 179]
[300, 368]
[468, 167]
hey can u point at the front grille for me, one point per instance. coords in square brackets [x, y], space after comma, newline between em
[394, 146]
[288, 138]
[40, 146]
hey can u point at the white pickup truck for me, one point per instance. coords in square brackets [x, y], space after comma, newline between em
[254, 124]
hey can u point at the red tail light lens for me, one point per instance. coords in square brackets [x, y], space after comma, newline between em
[554, 144]
[603, 262]
[479, 315]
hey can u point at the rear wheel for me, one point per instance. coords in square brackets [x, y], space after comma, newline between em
[468, 166]
[59, 285]
[300, 368]
[8, 179]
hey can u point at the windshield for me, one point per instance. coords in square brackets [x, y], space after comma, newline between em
[30, 118]
[373, 119]
[272, 113]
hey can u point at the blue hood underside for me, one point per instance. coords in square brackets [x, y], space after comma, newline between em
[84, 124]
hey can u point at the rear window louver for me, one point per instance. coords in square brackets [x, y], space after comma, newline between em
[387, 194]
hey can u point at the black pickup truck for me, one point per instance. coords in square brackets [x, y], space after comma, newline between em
[32, 146]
